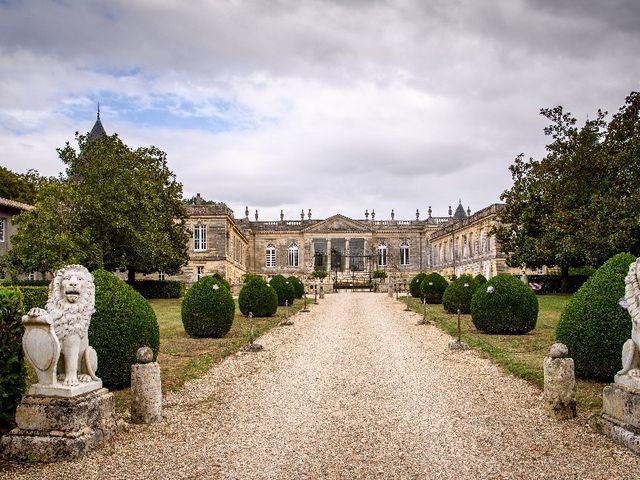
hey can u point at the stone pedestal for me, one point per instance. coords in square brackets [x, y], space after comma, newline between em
[559, 384]
[620, 417]
[51, 429]
[146, 393]
[321, 291]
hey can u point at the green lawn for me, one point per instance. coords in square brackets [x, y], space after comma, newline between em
[521, 355]
[183, 358]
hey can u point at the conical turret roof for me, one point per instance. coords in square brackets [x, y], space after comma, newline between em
[98, 130]
[460, 213]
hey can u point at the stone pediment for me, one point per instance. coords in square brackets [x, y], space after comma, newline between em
[337, 223]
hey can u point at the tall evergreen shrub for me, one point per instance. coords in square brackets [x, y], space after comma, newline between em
[12, 371]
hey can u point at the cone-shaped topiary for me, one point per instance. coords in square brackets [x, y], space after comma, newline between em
[122, 323]
[593, 325]
[480, 279]
[283, 288]
[208, 309]
[258, 298]
[432, 287]
[504, 305]
[298, 286]
[458, 294]
[414, 285]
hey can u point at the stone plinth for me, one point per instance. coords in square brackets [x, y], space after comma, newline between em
[146, 393]
[559, 384]
[59, 390]
[51, 429]
[620, 417]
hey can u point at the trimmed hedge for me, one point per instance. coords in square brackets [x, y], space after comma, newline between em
[298, 286]
[159, 288]
[24, 283]
[208, 311]
[504, 305]
[553, 283]
[432, 287]
[458, 294]
[12, 371]
[283, 288]
[258, 298]
[593, 325]
[123, 322]
[414, 285]
[33, 297]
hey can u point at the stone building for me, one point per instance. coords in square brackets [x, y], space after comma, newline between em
[349, 250]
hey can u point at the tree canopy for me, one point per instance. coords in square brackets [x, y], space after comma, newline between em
[115, 208]
[579, 204]
[20, 187]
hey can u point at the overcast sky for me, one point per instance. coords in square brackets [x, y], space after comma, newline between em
[335, 106]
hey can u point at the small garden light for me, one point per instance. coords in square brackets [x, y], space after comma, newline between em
[490, 289]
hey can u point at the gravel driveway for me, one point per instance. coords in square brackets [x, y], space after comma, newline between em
[353, 390]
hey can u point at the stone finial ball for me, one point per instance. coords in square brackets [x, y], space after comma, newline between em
[558, 350]
[144, 355]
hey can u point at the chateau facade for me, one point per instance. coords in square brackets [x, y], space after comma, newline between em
[349, 250]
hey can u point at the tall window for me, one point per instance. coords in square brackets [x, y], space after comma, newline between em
[199, 272]
[293, 255]
[382, 255]
[271, 256]
[2, 228]
[200, 238]
[404, 253]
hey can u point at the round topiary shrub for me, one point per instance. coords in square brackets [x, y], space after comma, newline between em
[432, 287]
[593, 325]
[122, 323]
[298, 286]
[283, 289]
[504, 305]
[458, 294]
[208, 309]
[414, 285]
[258, 298]
[221, 280]
[480, 279]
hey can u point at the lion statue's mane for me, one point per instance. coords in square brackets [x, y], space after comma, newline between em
[69, 318]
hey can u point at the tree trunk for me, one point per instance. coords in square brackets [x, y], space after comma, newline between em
[131, 275]
[564, 279]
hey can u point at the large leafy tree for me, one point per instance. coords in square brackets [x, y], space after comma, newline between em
[579, 204]
[17, 186]
[116, 208]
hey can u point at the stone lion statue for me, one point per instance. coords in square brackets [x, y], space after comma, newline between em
[631, 348]
[68, 310]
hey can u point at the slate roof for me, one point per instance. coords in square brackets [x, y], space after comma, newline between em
[98, 130]
[460, 213]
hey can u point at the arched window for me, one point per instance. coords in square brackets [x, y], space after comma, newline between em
[271, 256]
[382, 255]
[293, 255]
[404, 253]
